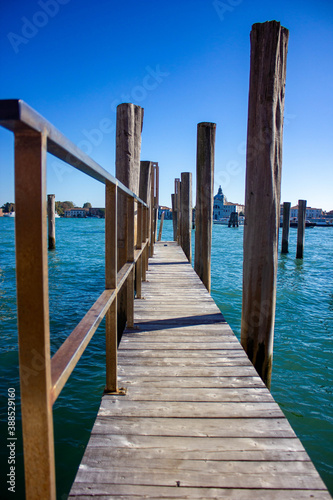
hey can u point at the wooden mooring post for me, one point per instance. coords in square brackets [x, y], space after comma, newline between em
[155, 203]
[269, 42]
[285, 227]
[154, 196]
[204, 202]
[177, 205]
[145, 195]
[128, 148]
[161, 226]
[51, 221]
[186, 213]
[174, 216]
[233, 220]
[301, 228]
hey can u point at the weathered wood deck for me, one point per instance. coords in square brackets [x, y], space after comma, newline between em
[197, 421]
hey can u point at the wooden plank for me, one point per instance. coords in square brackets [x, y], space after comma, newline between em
[185, 362]
[227, 394]
[184, 409]
[193, 447]
[196, 427]
[232, 352]
[82, 491]
[99, 458]
[214, 479]
[233, 371]
[188, 382]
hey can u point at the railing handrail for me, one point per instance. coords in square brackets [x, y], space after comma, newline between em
[34, 136]
[16, 115]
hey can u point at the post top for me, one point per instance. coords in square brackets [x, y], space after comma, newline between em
[269, 24]
[207, 124]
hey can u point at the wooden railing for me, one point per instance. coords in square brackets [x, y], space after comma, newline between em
[42, 378]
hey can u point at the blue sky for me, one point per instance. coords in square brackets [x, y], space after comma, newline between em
[184, 62]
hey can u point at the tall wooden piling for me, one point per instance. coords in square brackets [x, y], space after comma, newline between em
[186, 213]
[145, 195]
[177, 202]
[204, 203]
[233, 220]
[128, 147]
[51, 220]
[285, 227]
[155, 204]
[301, 228]
[174, 216]
[269, 42]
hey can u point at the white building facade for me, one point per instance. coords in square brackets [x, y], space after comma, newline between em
[76, 212]
[223, 208]
[311, 213]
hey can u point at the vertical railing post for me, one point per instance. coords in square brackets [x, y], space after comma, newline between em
[145, 195]
[111, 207]
[156, 197]
[138, 270]
[51, 220]
[177, 205]
[204, 203]
[152, 212]
[285, 227]
[33, 314]
[161, 226]
[130, 258]
[128, 146]
[269, 43]
[301, 228]
[186, 213]
[174, 216]
[146, 240]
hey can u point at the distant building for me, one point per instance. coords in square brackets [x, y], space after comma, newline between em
[76, 212]
[311, 213]
[167, 212]
[97, 212]
[223, 208]
[1, 212]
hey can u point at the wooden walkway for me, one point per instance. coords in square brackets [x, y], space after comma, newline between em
[197, 421]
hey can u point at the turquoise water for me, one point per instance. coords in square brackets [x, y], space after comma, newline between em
[302, 370]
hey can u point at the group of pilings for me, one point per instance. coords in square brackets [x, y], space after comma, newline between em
[300, 228]
[141, 177]
[269, 42]
[182, 205]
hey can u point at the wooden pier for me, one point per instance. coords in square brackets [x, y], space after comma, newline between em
[197, 420]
